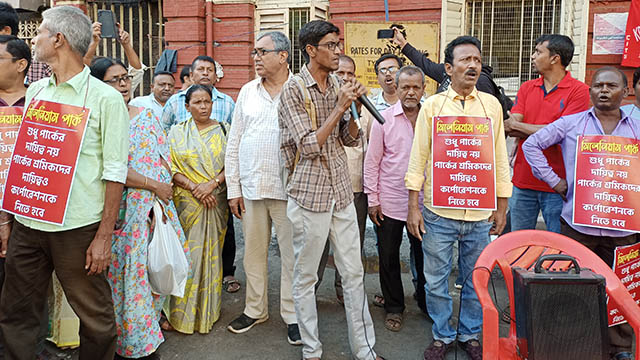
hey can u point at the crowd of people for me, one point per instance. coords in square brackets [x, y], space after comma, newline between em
[297, 153]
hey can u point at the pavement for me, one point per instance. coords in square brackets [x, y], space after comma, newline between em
[268, 340]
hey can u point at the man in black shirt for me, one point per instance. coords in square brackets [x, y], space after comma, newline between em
[436, 71]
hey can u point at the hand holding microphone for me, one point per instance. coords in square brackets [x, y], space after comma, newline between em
[350, 91]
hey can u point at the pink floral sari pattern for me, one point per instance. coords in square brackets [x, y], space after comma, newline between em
[137, 309]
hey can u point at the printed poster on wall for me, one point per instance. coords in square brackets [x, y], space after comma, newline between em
[607, 182]
[363, 46]
[44, 161]
[10, 118]
[463, 168]
[631, 52]
[608, 33]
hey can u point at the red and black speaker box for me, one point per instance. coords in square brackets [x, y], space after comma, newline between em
[560, 315]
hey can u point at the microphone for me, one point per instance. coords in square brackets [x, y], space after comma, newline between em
[372, 109]
[354, 111]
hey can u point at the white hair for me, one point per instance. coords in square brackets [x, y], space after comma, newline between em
[72, 23]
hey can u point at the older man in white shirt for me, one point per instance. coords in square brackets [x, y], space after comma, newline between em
[255, 190]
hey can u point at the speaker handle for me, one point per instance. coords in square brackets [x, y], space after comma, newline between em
[562, 257]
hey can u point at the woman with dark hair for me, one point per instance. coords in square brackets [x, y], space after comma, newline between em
[198, 148]
[149, 176]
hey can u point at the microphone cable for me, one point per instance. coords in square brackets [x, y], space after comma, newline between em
[495, 298]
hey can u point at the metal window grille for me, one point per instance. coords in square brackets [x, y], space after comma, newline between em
[144, 22]
[297, 18]
[507, 30]
[28, 29]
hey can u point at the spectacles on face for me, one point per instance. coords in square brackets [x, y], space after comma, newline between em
[261, 52]
[388, 70]
[331, 45]
[8, 58]
[117, 80]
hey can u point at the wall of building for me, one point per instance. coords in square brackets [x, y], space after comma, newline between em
[185, 31]
[373, 10]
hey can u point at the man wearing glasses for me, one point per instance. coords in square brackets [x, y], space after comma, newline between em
[386, 68]
[254, 189]
[315, 124]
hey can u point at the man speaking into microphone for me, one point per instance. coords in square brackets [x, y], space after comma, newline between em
[315, 124]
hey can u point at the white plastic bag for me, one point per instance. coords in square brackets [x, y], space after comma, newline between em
[167, 263]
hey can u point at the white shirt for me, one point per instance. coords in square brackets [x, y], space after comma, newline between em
[148, 101]
[252, 162]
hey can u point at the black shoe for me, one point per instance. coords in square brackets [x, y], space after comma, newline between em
[293, 334]
[244, 323]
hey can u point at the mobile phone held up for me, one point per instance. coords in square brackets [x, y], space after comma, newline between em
[108, 21]
[385, 34]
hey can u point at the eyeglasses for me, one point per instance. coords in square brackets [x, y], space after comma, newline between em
[331, 45]
[12, 58]
[388, 70]
[261, 52]
[116, 80]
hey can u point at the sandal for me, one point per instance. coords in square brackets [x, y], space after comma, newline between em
[378, 300]
[473, 348]
[230, 284]
[164, 325]
[393, 322]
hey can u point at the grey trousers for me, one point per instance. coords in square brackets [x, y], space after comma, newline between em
[362, 205]
[310, 233]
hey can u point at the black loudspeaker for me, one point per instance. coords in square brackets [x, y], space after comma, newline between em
[560, 315]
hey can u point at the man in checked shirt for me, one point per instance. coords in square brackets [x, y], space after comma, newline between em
[320, 194]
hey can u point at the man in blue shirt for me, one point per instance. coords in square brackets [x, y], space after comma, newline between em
[203, 72]
[608, 88]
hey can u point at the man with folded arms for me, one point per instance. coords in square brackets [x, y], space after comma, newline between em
[440, 227]
[540, 102]
[608, 88]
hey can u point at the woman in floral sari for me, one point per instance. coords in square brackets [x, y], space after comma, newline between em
[137, 309]
[197, 149]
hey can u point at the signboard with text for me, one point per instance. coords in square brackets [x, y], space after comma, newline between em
[626, 264]
[606, 187]
[463, 169]
[608, 33]
[363, 46]
[10, 118]
[44, 161]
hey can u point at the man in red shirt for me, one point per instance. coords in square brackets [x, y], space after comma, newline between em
[540, 102]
